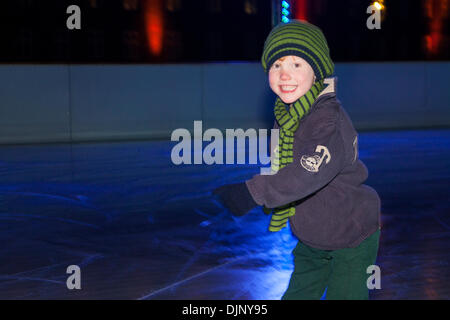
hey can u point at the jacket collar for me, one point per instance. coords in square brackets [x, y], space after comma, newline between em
[329, 91]
[330, 86]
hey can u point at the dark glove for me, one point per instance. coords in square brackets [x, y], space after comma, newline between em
[236, 198]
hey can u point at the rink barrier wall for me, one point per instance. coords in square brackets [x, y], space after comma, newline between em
[63, 103]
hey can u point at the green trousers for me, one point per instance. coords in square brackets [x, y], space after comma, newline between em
[343, 272]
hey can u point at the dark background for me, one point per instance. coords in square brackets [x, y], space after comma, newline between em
[185, 31]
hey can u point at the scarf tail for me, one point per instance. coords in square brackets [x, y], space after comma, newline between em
[288, 119]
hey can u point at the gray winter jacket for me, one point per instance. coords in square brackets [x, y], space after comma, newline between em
[334, 209]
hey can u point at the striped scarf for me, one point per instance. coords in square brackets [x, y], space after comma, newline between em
[288, 119]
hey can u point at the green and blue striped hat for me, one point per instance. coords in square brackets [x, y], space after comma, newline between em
[302, 39]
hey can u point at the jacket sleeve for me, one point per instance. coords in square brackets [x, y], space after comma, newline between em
[317, 158]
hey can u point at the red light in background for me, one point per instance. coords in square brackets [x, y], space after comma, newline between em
[301, 9]
[436, 12]
[154, 25]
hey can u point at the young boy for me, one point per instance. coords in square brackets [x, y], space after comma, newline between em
[318, 184]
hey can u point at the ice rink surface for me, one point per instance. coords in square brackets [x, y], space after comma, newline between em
[140, 227]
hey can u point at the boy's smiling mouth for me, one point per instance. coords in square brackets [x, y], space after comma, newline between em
[288, 89]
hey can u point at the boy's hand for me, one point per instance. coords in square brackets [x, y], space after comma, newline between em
[236, 198]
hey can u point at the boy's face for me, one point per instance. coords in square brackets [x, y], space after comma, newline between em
[290, 77]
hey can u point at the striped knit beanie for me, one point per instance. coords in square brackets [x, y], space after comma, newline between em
[302, 39]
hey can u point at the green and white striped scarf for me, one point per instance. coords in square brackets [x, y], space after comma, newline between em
[288, 119]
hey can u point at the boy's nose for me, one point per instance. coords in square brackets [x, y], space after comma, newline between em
[284, 75]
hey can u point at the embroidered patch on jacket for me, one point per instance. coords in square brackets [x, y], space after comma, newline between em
[313, 163]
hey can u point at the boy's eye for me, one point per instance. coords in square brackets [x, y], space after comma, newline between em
[297, 65]
[275, 66]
